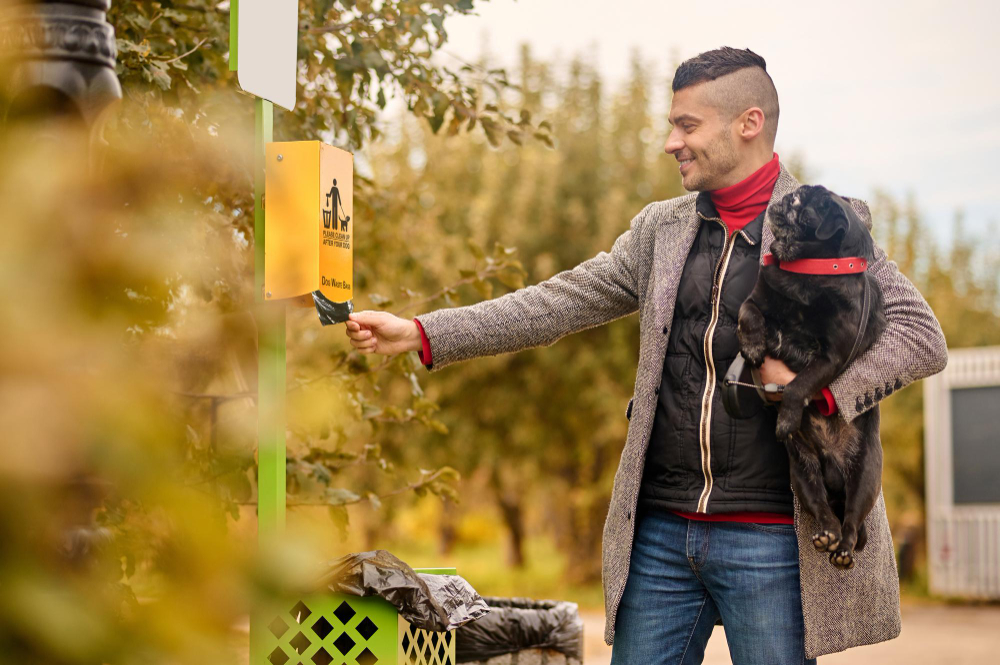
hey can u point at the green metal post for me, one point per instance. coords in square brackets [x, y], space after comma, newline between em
[270, 319]
[270, 379]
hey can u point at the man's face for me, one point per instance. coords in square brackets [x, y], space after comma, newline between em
[702, 143]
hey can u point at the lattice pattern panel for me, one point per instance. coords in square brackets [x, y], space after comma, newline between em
[334, 629]
[424, 647]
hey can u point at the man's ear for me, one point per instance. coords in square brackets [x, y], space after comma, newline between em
[753, 123]
[835, 221]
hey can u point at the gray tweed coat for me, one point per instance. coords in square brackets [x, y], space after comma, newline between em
[841, 609]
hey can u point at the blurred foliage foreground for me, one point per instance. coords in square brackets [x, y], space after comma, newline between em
[128, 354]
[104, 477]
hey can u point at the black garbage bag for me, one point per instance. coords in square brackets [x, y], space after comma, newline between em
[516, 624]
[432, 602]
[331, 312]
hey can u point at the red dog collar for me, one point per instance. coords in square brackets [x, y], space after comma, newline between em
[847, 265]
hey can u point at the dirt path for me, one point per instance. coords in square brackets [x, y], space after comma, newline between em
[932, 634]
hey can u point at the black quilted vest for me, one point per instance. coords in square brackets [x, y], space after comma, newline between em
[699, 459]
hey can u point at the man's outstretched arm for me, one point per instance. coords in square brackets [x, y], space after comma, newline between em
[599, 290]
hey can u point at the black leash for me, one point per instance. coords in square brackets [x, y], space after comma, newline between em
[862, 324]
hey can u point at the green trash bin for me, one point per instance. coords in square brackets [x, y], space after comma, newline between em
[337, 629]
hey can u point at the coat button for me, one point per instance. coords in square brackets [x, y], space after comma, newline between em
[628, 515]
[664, 330]
[657, 390]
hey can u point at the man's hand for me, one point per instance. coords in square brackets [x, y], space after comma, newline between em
[776, 371]
[382, 332]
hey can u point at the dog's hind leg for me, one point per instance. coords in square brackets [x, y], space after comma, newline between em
[863, 483]
[862, 537]
[807, 481]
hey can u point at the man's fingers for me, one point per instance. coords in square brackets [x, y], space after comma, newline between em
[364, 347]
[358, 333]
[365, 318]
[360, 330]
[363, 338]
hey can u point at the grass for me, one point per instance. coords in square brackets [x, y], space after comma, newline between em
[485, 568]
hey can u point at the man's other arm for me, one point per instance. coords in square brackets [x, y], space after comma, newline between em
[910, 348]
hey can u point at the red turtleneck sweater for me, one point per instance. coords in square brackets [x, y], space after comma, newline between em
[738, 205]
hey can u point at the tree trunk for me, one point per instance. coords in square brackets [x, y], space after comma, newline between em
[513, 518]
[447, 533]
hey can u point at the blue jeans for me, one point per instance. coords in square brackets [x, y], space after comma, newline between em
[686, 574]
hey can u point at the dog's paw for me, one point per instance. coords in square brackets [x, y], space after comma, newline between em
[754, 353]
[843, 559]
[789, 421]
[826, 541]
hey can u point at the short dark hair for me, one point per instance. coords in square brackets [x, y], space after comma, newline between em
[751, 87]
[710, 65]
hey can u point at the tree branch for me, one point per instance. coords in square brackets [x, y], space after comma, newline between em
[184, 55]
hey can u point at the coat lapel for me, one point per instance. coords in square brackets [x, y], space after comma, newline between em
[670, 249]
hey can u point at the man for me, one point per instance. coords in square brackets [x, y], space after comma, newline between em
[703, 526]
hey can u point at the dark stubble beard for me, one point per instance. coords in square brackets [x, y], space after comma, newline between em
[718, 160]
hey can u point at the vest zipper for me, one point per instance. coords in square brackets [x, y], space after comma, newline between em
[704, 430]
[621, 590]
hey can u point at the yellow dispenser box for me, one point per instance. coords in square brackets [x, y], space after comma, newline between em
[309, 220]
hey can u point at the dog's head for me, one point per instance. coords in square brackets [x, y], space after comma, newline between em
[814, 223]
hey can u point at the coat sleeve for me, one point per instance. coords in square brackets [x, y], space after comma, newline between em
[911, 347]
[425, 347]
[597, 291]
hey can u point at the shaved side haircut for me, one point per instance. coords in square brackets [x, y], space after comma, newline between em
[740, 81]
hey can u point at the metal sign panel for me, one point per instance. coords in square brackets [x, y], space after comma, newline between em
[309, 209]
[268, 32]
[291, 254]
[336, 198]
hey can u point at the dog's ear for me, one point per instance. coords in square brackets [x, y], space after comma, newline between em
[833, 222]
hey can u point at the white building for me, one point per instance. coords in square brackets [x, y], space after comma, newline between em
[962, 462]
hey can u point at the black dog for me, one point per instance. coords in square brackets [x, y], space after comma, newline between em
[816, 324]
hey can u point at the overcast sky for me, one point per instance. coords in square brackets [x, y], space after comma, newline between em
[902, 95]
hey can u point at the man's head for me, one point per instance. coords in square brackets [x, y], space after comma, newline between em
[723, 116]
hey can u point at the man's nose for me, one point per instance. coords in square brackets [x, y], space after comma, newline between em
[674, 144]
